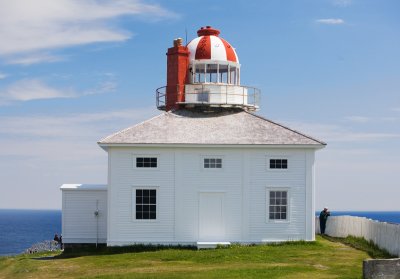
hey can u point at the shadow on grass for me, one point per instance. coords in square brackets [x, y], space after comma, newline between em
[104, 250]
[91, 250]
[45, 258]
[360, 243]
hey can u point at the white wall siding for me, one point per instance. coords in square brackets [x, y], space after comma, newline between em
[193, 179]
[310, 195]
[180, 179]
[124, 179]
[263, 179]
[79, 223]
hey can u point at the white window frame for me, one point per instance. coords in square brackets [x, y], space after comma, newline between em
[134, 156]
[267, 202]
[133, 199]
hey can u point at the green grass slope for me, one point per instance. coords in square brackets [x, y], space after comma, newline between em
[320, 259]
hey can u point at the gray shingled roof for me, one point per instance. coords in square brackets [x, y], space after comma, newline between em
[187, 127]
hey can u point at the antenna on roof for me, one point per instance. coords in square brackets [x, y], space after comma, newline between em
[186, 36]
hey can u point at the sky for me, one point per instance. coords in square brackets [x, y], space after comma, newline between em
[73, 72]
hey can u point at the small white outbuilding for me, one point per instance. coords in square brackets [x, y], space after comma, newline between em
[205, 171]
[84, 213]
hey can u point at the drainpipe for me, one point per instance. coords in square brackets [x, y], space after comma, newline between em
[96, 215]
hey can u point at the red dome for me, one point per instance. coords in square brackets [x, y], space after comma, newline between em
[209, 46]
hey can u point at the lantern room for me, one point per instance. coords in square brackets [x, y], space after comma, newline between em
[205, 74]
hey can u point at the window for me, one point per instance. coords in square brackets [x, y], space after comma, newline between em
[214, 72]
[232, 75]
[223, 71]
[146, 162]
[212, 163]
[278, 163]
[146, 203]
[278, 205]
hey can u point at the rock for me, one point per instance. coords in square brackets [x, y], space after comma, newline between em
[47, 245]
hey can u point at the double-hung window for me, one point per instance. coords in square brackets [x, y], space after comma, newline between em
[146, 204]
[278, 205]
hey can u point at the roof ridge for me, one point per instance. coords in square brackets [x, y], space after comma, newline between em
[285, 127]
[131, 127]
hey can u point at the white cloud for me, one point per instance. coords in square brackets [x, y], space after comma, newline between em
[34, 58]
[342, 3]
[375, 120]
[341, 134]
[32, 89]
[35, 89]
[30, 26]
[2, 75]
[357, 171]
[69, 127]
[330, 21]
[358, 119]
[389, 119]
[50, 150]
[104, 87]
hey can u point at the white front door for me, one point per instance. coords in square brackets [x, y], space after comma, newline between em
[211, 217]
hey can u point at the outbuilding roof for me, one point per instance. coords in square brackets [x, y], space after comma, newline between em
[214, 128]
[84, 187]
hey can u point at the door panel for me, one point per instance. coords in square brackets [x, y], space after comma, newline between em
[211, 217]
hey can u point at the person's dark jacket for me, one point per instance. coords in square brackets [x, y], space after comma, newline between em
[323, 216]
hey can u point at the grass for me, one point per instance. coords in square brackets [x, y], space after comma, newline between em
[361, 244]
[321, 259]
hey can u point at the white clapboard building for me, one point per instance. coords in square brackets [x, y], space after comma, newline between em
[205, 171]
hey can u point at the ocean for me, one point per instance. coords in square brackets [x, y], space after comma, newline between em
[383, 216]
[20, 229]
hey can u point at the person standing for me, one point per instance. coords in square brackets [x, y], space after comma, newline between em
[56, 238]
[61, 243]
[323, 217]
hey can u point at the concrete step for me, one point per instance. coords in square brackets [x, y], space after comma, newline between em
[211, 244]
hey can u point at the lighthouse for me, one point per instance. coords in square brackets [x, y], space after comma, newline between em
[205, 75]
[206, 171]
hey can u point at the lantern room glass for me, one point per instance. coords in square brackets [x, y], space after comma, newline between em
[212, 72]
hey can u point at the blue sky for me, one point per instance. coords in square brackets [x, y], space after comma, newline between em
[72, 72]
